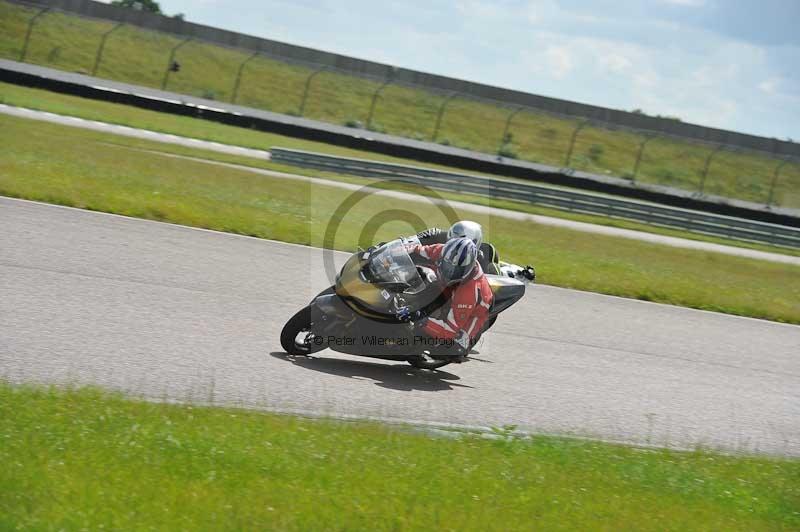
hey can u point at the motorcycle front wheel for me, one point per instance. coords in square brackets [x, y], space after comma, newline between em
[296, 336]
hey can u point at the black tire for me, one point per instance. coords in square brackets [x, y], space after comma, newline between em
[299, 323]
[421, 362]
[327, 291]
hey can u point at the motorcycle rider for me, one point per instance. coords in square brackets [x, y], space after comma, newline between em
[467, 228]
[464, 286]
[487, 253]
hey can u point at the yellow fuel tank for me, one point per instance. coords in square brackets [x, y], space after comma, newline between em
[360, 295]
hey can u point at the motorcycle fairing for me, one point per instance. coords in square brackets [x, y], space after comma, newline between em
[506, 290]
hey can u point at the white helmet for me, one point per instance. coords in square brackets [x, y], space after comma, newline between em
[471, 230]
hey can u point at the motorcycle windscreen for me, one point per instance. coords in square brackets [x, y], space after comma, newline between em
[391, 266]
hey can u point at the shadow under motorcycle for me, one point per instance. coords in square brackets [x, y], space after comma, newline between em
[329, 323]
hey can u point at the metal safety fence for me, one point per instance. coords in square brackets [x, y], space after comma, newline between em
[693, 221]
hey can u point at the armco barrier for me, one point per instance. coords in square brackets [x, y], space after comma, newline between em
[180, 104]
[696, 222]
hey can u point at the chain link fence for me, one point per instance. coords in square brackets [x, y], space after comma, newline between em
[190, 65]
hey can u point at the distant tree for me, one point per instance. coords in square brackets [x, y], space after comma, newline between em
[638, 111]
[179, 16]
[142, 5]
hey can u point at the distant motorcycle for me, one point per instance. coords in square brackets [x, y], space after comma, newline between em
[357, 315]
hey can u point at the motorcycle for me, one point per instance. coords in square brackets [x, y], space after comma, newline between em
[358, 314]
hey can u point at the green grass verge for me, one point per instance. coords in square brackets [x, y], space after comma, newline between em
[69, 42]
[91, 460]
[196, 128]
[87, 169]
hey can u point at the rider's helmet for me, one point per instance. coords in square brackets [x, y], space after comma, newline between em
[458, 259]
[471, 230]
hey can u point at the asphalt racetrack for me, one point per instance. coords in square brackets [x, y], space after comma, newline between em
[176, 313]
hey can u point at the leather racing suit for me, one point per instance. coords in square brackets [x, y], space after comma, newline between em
[469, 301]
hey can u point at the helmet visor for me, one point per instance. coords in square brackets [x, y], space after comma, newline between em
[453, 273]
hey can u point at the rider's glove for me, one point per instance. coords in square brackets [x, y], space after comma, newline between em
[405, 314]
[427, 274]
[528, 272]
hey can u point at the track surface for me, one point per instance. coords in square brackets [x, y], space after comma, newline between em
[171, 312]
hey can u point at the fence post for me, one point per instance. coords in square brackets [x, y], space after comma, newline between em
[708, 164]
[31, 22]
[508, 126]
[440, 114]
[375, 100]
[171, 60]
[572, 142]
[102, 46]
[775, 180]
[236, 83]
[639, 155]
[308, 87]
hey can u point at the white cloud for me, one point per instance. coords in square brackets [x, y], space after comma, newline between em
[769, 86]
[697, 84]
[558, 60]
[615, 62]
[479, 9]
[539, 11]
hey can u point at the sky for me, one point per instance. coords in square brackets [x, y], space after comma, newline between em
[731, 64]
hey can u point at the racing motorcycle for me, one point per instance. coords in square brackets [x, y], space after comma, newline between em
[358, 314]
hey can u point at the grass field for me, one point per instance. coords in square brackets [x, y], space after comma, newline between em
[202, 129]
[89, 460]
[70, 43]
[87, 169]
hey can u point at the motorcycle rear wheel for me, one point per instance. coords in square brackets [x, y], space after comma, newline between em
[296, 336]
